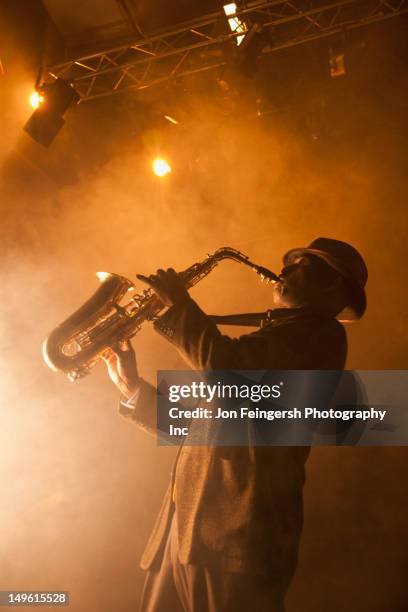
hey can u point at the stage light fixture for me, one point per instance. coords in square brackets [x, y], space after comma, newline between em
[230, 9]
[36, 99]
[47, 120]
[160, 167]
[236, 25]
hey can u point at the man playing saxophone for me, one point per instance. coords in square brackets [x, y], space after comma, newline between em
[227, 536]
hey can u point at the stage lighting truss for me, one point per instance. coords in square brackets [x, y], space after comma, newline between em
[196, 46]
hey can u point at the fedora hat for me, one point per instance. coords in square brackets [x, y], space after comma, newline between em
[347, 261]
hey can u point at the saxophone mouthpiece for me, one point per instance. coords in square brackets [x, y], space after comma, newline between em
[266, 275]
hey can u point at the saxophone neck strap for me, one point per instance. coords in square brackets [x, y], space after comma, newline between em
[260, 319]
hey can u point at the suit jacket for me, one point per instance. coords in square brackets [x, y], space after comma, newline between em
[241, 507]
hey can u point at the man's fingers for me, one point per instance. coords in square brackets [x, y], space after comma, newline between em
[167, 285]
[123, 344]
[149, 280]
[122, 349]
[170, 273]
[109, 356]
[160, 273]
[143, 278]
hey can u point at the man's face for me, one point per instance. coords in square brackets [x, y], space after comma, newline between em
[302, 281]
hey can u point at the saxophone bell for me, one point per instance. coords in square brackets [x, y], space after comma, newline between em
[78, 342]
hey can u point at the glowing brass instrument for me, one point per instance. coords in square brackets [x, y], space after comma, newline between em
[78, 343]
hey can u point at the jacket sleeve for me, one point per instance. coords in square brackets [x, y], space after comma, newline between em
[200, 342]
[141, 408]
[308, 343]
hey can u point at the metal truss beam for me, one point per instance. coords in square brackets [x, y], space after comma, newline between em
[199, 45]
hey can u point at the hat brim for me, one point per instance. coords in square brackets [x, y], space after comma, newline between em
[358, 300]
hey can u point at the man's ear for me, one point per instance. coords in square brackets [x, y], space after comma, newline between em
[337, 284]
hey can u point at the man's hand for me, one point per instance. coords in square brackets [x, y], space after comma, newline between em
[122, 368]
[167, 285]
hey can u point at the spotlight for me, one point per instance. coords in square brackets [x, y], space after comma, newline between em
[46, 121]
[160, 167]
[36, 99]
[230, 9]
[235, 24]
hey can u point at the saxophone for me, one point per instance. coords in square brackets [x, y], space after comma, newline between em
[79, 342]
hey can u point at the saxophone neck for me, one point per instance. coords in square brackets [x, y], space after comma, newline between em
[197, 271]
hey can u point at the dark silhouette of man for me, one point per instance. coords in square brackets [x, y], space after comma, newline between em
[227, 536]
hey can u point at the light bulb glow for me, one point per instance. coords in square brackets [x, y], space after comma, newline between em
[230, 9]
[239, 27]
[36, 99]
[171, 119]
[160, 167]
